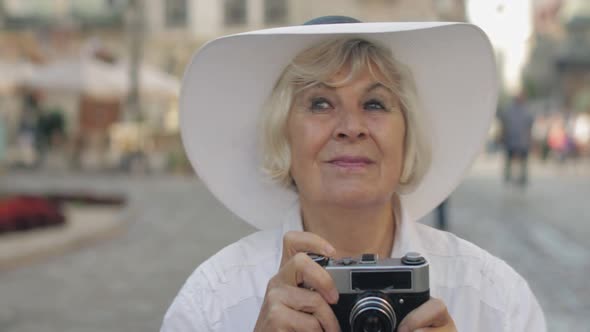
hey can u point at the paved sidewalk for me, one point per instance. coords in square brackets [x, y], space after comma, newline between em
[84, 226]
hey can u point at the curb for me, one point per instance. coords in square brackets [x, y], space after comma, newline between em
[85, 225]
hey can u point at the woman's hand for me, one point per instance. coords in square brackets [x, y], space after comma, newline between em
[305, 242]
[432, 316]
[289, 307]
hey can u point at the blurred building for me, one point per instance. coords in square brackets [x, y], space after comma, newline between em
[180, 26]
[559, 66]
[45, 29]
[540, 74]
[573, 61]
[171, 30]
[174, 28]
[163, 34]
[206, 19]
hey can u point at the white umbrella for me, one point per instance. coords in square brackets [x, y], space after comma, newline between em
[152, 81]
[99, 79]
[13, 74]
[79, 75]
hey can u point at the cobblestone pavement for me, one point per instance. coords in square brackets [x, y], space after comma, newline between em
[127, 283]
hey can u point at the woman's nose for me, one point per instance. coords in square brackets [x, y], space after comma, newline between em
[351, 125]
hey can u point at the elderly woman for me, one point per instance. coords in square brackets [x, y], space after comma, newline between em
[334, 139]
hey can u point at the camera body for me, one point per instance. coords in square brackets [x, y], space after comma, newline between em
[376, 294]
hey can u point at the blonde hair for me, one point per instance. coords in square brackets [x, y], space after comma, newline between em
[318, 64]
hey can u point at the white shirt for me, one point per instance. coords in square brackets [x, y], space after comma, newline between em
[482, 293]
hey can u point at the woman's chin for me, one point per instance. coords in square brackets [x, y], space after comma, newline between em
[356, 199]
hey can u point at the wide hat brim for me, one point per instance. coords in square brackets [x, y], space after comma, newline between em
[229, 79]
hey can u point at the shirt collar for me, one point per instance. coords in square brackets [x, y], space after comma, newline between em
[406, 237]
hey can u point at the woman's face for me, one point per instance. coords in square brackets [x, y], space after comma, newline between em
[346, 142]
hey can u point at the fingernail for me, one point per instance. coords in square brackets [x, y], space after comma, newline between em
[403, 329]
[330, 251]
[334, 295]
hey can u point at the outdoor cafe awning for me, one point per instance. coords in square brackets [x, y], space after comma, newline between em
[13, 74]
[99, 79]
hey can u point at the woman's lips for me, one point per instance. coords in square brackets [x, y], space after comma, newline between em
[349, 162]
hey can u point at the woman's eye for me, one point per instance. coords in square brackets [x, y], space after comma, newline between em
[320, 104]
[374, 105]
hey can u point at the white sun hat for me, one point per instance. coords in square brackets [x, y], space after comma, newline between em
[230, 78]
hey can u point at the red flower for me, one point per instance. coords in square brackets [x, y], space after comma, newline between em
[26, 212]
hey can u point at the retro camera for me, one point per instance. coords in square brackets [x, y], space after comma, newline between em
[376, 294]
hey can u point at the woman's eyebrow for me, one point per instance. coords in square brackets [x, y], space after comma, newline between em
[321, 85]
[375, 86]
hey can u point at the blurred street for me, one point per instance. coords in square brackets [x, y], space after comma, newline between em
[89, 105]
[127, 283]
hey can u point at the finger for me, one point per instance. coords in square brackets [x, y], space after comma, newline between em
[304, 300]
[295, 242]
[433, 313]
[280, 317]
[302, 322]
[302, 270]
[435, 329]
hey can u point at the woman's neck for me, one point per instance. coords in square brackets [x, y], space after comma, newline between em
[352, 231]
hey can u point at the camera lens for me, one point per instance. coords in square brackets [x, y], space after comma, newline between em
[372, 324]
[372, 313]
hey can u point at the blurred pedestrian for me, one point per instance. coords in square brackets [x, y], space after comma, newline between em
[28, 129]
[540, 133]
[517, 123]
[51, 127]
[2, 139]
[581, 133]
[557, 139]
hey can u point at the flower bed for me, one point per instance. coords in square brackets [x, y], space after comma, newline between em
[22, 213]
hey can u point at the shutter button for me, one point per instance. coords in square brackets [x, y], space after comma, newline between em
[347, 261]
[413, 258]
